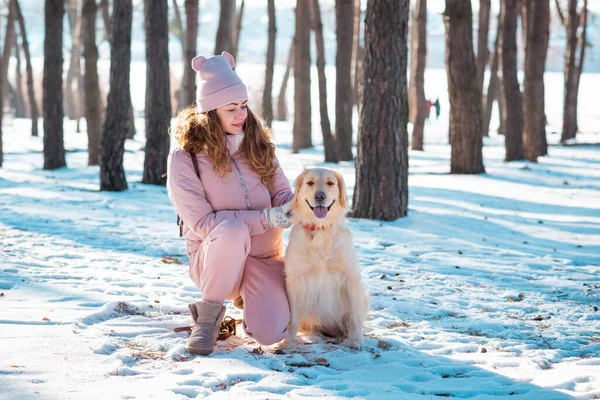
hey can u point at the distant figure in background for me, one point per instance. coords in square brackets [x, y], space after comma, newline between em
[437, 108]
[429, 105]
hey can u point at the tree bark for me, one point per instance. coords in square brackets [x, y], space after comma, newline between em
[178, 31]
[9, 40]
[356, 52]
[382, 152]
[54, 149]
[188, 84]
[104, 7]
[418, 59]
[483, 53]
[238, 31]
[71, 100]
[225, 31]
[267, 100]
[33, 107]
[463, 92]
[512, 115]
[282, 109]
[328, 140]
[92, 102]
[493, 91]
[302, 108]
[537, 31]
[344, 15]
[158, 91]
[112, 174]
[20, 110]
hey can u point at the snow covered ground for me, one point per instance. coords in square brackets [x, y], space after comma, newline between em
[490, 288]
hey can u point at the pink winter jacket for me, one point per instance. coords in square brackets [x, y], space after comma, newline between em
[204, 203]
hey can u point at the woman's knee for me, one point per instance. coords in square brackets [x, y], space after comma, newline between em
[267, 329]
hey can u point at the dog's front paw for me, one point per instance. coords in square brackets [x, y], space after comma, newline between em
[354, 343]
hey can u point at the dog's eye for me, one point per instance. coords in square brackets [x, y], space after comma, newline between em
[330, 183]
[310, 183]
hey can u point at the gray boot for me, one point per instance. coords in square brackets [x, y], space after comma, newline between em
[207, 316]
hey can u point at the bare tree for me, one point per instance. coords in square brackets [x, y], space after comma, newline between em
[302, 112]
[20, 109]
[92, 102]
[538, 32]
[493, 89]
[72, 100]
[418, 58]
[382, 152]
[238, 30]
[282, 109]
[574, 58]
[512, 115]
[357, 52]
[104, 7]
[267, 100]
[158, 91]
[112, 174]
[225, 30]
[9, 40]
[188, 84]
[483, 53]
[463, 92]
[344, 16]
[33, 108]
[328, 140]
[54, 149]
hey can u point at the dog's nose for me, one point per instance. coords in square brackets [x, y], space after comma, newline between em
[319, 197]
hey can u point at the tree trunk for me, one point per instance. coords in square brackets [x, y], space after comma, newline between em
[537, 31]
[9, 40]
[356, 52]
[573, 66]
[463, 92]
[328, 140]
[282, 109]
[238, 30]
[20, 110]
[512, 115]
[112, 174]
[158, 91]
[225, 31]
[267, 100]
[33, 108]
[382, 152]
[493, 91]
[92, 103]
[483, 54]
[104, 7]
[418, 59]
[131, 123]
[569, 128]
[176, 29]
[344, 15]
[188, 83]
[54, 149]
[302, 112]
[71, 101]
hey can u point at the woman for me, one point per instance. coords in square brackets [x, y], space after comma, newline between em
[233, 211]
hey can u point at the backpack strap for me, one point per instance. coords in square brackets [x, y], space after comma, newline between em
[197, 169]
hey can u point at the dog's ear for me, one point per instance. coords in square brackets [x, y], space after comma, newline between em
[342, 186]
[297, 185]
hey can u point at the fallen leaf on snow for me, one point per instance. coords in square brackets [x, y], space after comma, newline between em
[45, 319]
[170, 260]
[382, 344]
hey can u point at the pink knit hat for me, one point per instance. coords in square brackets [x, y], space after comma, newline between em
[219, 85]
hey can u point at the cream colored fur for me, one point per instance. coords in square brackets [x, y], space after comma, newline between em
[323, 280]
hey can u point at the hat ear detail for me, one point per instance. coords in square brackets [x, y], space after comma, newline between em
[197, 63]
[229, 58]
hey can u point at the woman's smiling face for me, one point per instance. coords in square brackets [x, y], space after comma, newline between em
[232, 116]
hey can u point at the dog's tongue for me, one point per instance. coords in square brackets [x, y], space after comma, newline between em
[320, 212]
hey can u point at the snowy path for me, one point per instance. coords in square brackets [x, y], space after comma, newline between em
[490, 288]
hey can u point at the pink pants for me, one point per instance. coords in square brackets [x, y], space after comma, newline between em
[223, 270]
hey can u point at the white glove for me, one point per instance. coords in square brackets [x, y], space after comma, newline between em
[279, 217]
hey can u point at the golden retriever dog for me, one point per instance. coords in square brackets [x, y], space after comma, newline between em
[323, 280]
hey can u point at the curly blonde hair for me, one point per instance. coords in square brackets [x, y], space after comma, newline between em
[196, 131]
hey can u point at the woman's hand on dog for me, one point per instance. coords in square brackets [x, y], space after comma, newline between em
[279, 217]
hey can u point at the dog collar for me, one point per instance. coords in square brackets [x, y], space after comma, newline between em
[315, 227]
